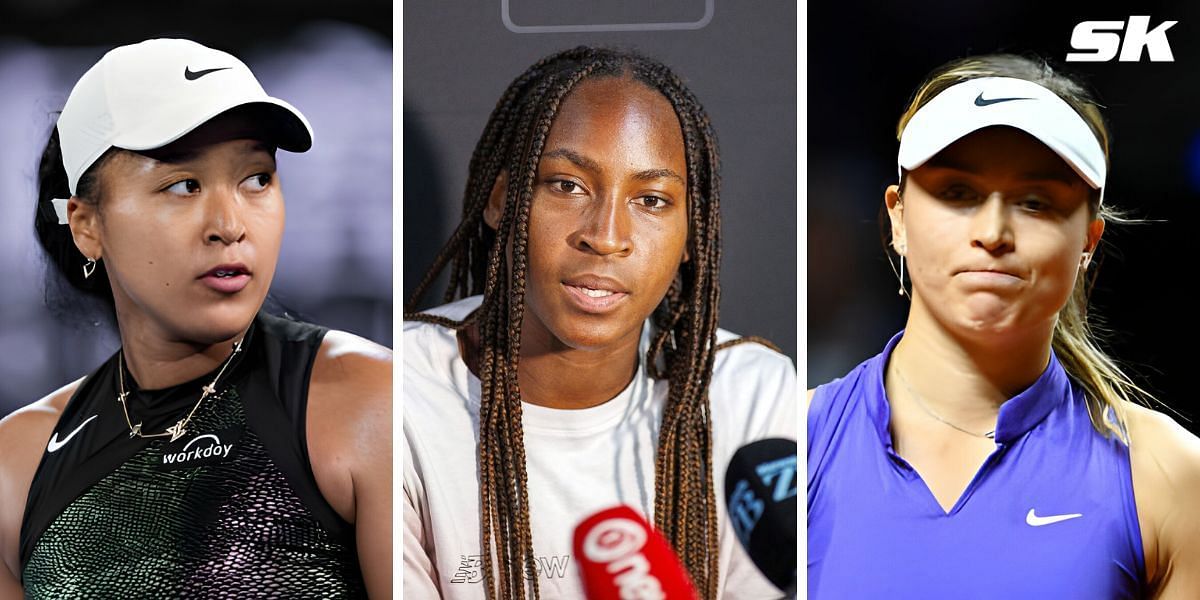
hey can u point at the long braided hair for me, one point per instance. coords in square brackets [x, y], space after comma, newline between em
[683, 345]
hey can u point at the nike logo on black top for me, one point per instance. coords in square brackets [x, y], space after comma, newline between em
[980, 101]
[191, 75]
[54, 444]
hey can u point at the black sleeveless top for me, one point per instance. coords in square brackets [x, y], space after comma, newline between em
[230, 509]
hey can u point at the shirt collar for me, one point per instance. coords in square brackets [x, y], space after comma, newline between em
[1018, 414]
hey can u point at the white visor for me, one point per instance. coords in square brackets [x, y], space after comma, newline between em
[147, 95]
[977, 103]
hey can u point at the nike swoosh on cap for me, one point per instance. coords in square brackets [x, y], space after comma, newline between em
[191, 75]
[55, 445]
[980, 101]
[1037, 521]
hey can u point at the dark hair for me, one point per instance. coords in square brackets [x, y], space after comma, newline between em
[683, 346]
[64, 258]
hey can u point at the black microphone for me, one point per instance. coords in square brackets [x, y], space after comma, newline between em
[760, 495]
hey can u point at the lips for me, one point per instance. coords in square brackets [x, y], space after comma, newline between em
[593, 293]
[989, 270]
[227, 278]
[987, 277]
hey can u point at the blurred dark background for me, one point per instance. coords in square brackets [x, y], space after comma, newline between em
[331, 60]
[865, 59]
[739, 58]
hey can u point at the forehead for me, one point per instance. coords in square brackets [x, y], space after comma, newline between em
[610, 111]
[1008, 151]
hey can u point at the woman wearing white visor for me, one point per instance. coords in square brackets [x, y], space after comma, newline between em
[992, 449]
[220, 452]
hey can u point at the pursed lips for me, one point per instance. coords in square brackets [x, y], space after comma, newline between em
[990, 276]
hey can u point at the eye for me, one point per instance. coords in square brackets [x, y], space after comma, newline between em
[652, 202]
[1035, 203]
[258, 182]
[186, 187]
[564, 186]
[959, 192]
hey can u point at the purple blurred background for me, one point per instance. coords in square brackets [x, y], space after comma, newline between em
[334, 63]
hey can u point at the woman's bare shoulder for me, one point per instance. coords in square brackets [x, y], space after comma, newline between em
[350, 358]
[350, 404]
[32, 424]
[1165, 462]
[23, 435]
[1161, 445]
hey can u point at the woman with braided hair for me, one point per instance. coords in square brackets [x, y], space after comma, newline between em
[578, 363]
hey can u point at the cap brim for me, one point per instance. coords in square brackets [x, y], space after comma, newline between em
[286, 126]
[975, 104]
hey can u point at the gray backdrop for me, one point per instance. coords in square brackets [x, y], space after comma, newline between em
[334, 64]
[739, 58]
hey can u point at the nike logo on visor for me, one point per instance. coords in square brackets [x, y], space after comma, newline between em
[980, 101]
[55, 445]
[191, 75]
[1037, 521]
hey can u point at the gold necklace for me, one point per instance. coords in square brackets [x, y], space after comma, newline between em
[177, 430]
[991, 435]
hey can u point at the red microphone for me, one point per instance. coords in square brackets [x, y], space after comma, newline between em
[621, 557]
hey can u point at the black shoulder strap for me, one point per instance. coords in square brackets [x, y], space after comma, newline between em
[276, 403]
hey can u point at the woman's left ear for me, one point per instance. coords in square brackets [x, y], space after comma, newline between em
[1094, 233]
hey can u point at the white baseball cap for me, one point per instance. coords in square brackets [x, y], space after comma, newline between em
[966, 107]
[147, 95]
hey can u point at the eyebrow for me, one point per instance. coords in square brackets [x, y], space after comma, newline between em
[1068, 177]
[584, 162]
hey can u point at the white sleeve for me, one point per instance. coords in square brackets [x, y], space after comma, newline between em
[774, 393]
[420, 575]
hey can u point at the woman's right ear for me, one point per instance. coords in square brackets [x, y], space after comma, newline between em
[82, 219]
[895, 208]
[495, 204]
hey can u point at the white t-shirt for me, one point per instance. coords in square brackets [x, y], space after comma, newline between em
[578, 461]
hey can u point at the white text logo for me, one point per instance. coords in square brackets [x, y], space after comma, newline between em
[213, 449]
[618, 543]
[1103, 40]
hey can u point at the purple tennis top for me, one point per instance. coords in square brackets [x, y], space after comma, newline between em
[1049, 514]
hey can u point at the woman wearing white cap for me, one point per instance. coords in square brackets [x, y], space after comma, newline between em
[993, 450]
[221, 451]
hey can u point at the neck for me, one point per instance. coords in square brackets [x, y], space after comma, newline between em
[158, 361]
[555, 376]
[966, 377]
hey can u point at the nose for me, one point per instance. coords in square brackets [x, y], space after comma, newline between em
[225, 222]
[991, 229]
[605, 228]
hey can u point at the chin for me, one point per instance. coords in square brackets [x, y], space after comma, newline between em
[213, 324]
[594, 337]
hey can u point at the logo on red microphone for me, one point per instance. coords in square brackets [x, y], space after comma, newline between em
[617, 543]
